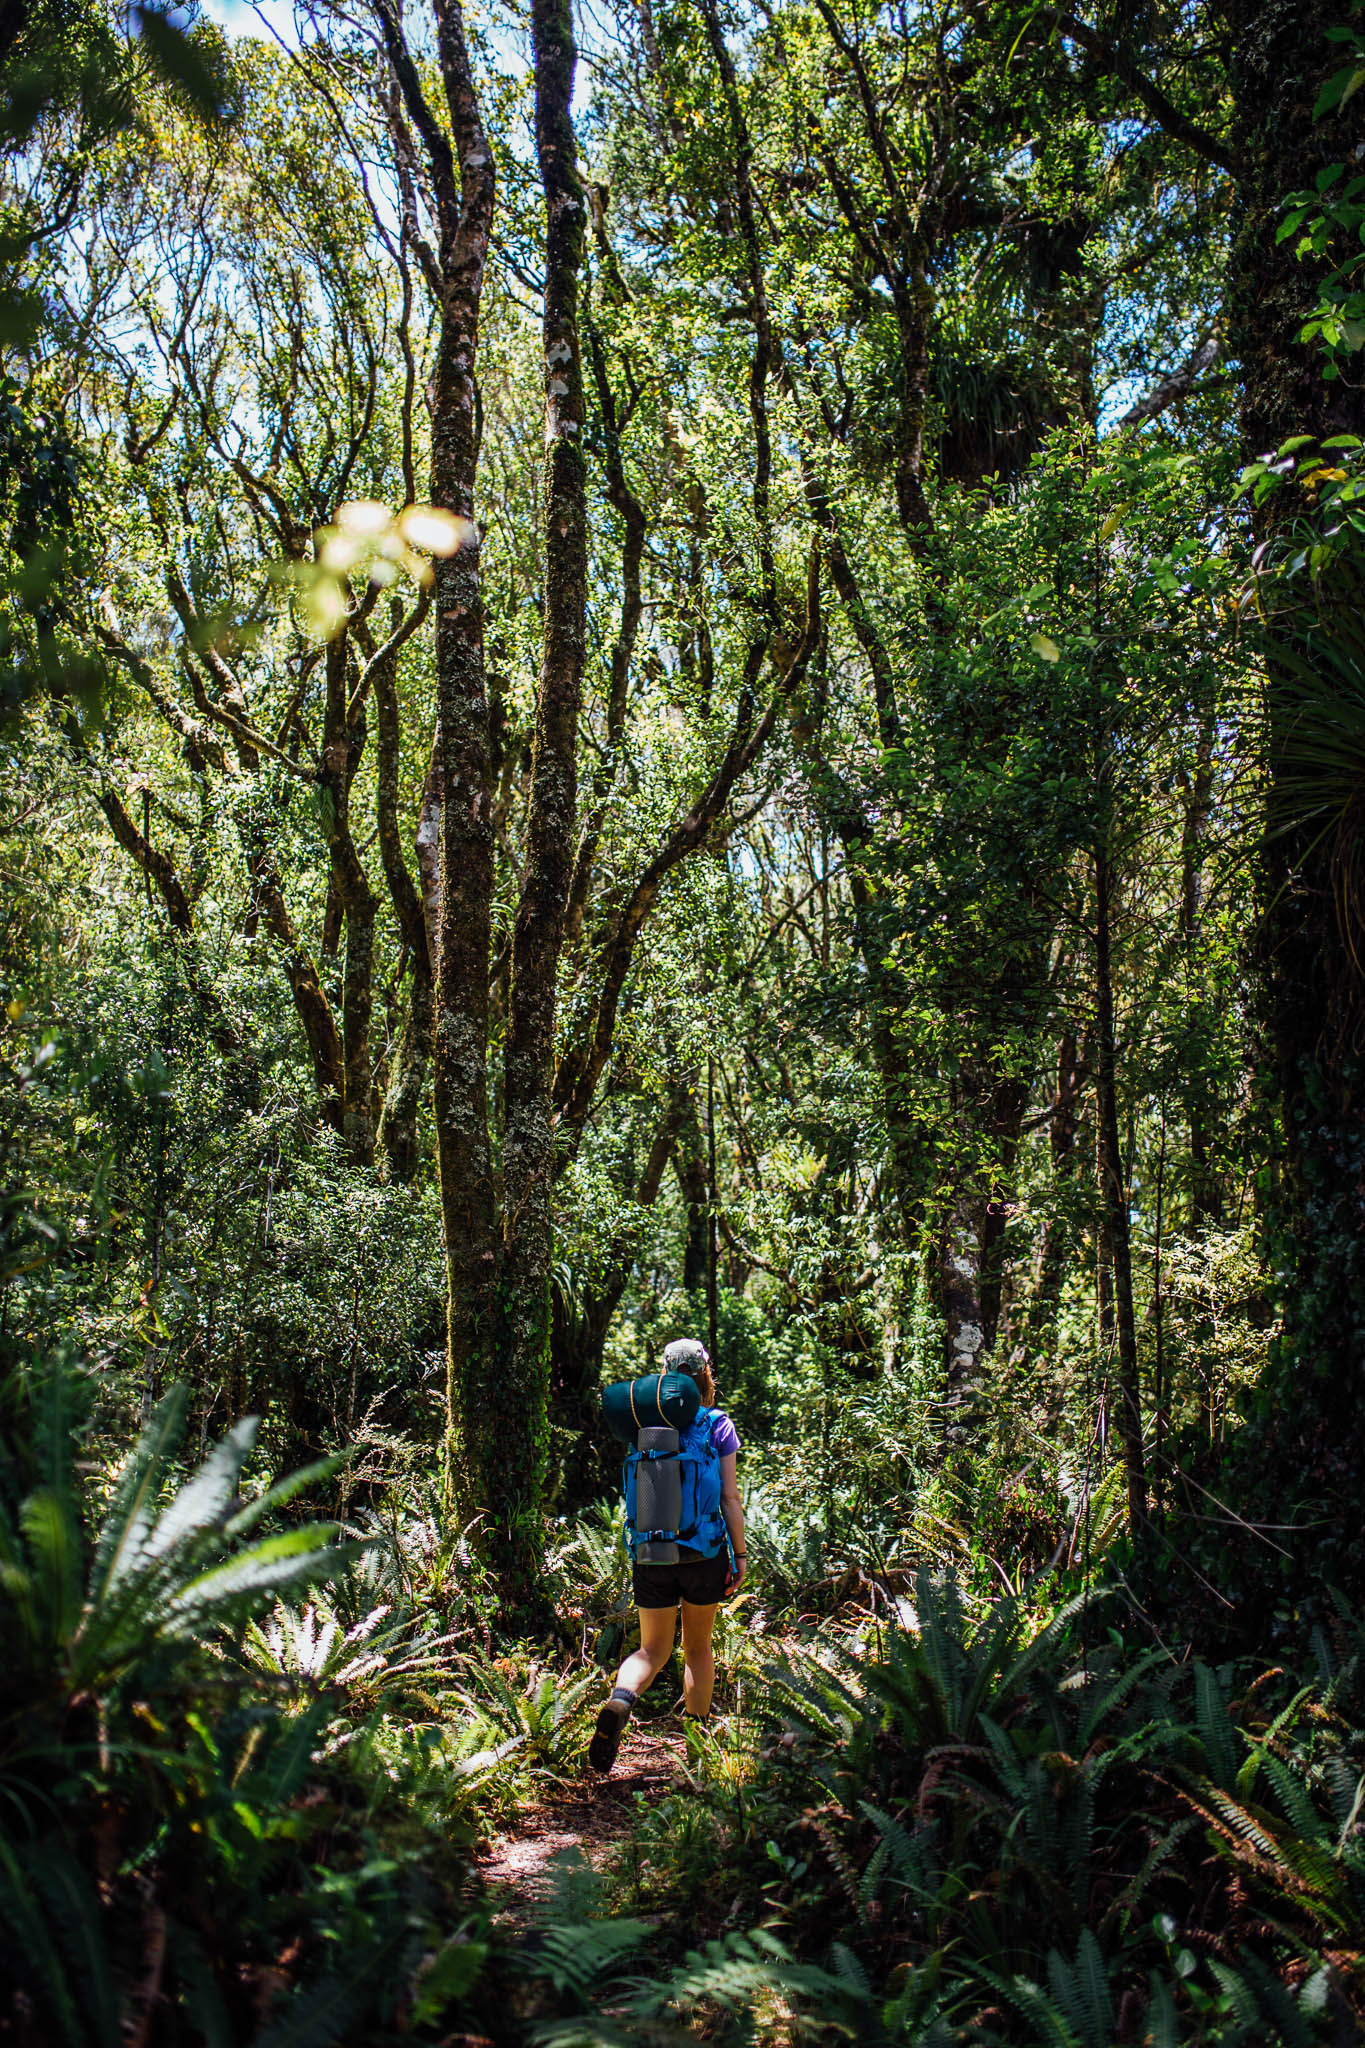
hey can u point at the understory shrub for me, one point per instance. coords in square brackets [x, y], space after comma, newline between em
[1073, 1839]
[216, 1830]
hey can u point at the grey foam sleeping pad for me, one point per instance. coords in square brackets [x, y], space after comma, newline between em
[658, 1494]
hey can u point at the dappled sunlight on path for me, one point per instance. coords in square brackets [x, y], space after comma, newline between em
[587, 1814]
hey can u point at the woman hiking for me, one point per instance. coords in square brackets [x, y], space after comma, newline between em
[707, 1571]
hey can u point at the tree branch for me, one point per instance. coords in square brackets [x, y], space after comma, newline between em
[577, 1081]
[1178, 385]
[1111, 57]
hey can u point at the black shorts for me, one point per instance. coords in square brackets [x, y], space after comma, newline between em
[698, 1580]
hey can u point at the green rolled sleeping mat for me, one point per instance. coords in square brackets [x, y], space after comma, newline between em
[662, 1400]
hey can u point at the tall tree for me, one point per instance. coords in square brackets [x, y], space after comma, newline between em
[1280, 59]
[514, 1463]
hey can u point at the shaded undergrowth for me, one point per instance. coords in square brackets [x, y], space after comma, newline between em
[244, 1806]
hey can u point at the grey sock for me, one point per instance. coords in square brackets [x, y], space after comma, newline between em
[623, 1692]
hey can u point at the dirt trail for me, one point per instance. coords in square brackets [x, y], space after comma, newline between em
[590, 1814]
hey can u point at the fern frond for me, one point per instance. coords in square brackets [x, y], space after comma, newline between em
[1246, 1824]
[1092, 1984]
[1130, 1898]
[850, 1971]
[199, 1996]
[1237, 1991]
[1278, 2003]
[1287, 1716]
[52, 1912]
[1347, 1802]
[300, 1556]
[283, 1491]
[319, 2014]
[1215, 1728]
[898, 1853]
[1290, 1866]
[732, 1972]
[1117, 1693]
[1163, 2027]
[201, 1504]
[1049, 2027]
[583, 1957]
[48, 1521]
[1008, 1762]
[129, 1515]
[1292, 1794]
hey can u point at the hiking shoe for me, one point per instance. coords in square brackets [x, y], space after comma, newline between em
[606, 1735]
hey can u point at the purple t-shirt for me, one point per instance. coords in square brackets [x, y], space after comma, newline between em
[724, 1435]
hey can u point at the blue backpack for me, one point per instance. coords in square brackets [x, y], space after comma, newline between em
[701, 1525]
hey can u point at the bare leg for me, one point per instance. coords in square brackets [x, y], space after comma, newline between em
[699, 1666]
[639, 1671]
[643, 1666]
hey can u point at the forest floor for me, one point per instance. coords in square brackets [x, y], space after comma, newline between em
[581, 1819]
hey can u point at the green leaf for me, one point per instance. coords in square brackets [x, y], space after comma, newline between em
[451, 1976]
[303, 1554]
[1045, 647]
[130, 1512]
[285, 1490]
[202, 1501]
[1339, 88]
[319, 2014]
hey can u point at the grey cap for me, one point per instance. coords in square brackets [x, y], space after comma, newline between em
[684, 1354]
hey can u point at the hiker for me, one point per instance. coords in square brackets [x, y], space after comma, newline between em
[709, 1568]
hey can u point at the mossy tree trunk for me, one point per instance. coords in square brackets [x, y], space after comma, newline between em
[1313, 1408]
[1115, 1251]
[461, 181]
[397, 1134]
[517, 1397]
[497, 1212]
